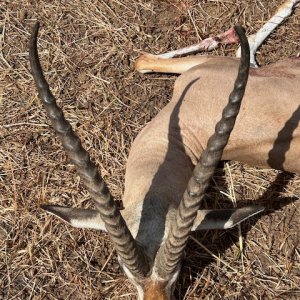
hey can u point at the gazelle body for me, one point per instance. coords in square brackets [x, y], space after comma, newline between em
[163, 188]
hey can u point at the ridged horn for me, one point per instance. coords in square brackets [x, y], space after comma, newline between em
[170, 253]
[129, 252]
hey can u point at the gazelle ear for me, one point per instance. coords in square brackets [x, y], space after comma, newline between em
[77, 217]
[224, 218]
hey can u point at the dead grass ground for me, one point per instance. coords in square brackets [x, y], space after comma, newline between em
[87, 49]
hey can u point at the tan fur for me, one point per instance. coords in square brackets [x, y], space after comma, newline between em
[155, 291]
[151, 63]
[284, 5]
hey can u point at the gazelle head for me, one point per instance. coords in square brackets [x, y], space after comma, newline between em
[153, 271]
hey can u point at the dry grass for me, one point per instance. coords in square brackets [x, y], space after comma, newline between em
[87, 49]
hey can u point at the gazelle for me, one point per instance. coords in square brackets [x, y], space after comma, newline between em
[163, 190]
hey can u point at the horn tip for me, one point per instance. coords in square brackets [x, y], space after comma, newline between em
[36, 26]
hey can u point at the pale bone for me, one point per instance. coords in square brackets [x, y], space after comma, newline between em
[161, 158]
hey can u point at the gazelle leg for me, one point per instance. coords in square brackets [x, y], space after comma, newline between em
[168, 63]
[149, 63]
[255, 40]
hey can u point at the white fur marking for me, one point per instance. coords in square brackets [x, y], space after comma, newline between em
[228, 224]
[91, 223]
[132, 279]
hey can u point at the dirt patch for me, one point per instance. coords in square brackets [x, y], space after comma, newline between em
[88, 49]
